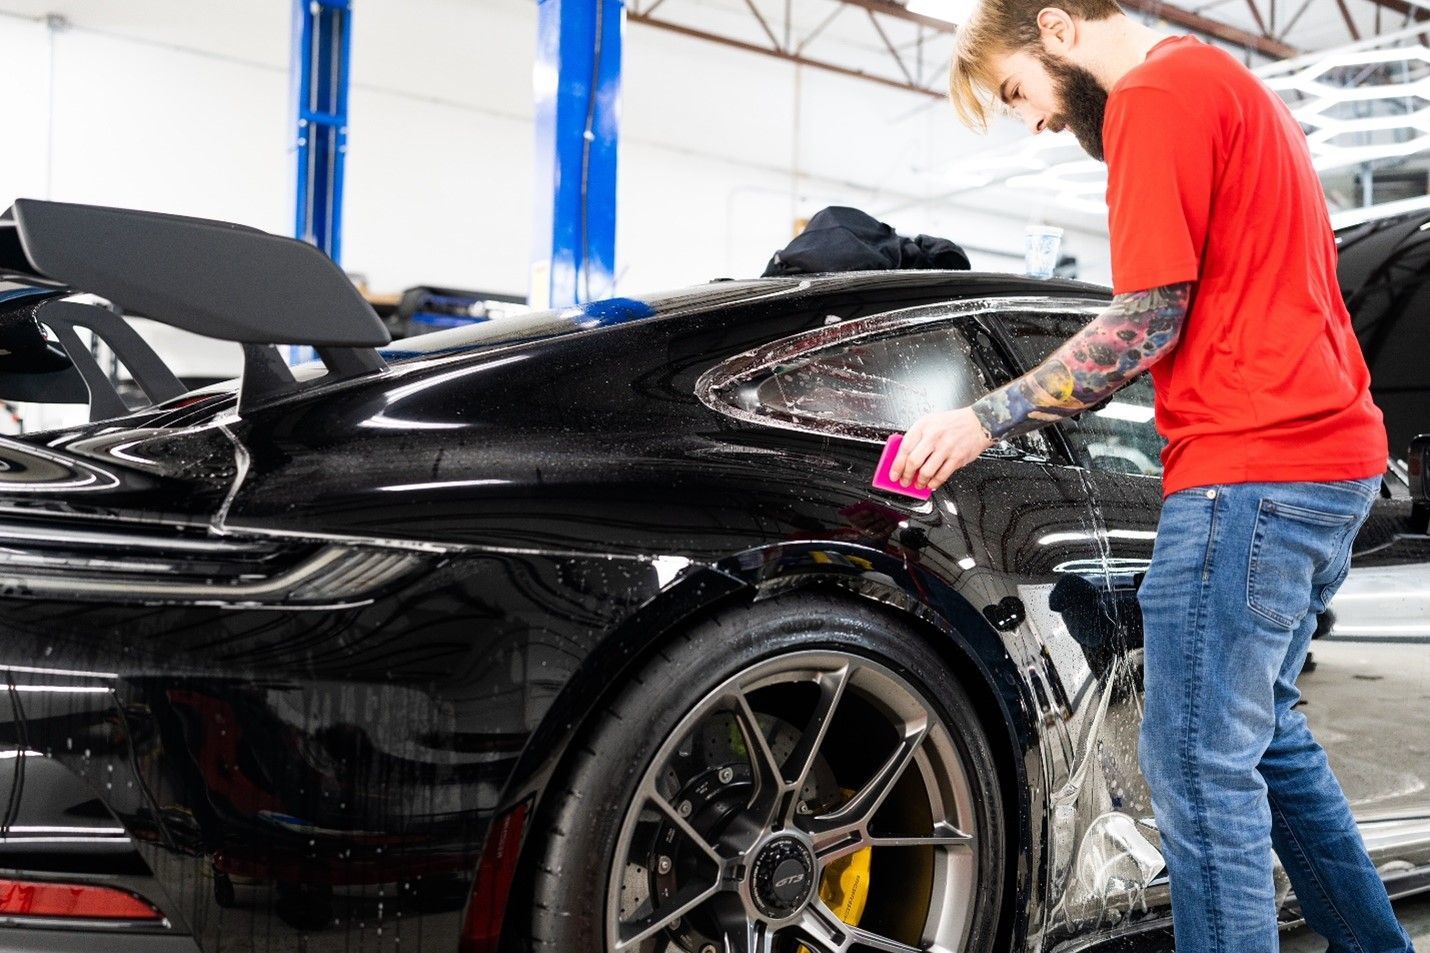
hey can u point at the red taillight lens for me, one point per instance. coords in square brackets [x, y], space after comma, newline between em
[481, 929]
[32, 898]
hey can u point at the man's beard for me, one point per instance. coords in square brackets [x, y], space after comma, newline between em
[1083, 102]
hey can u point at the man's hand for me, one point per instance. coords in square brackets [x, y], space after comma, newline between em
[937, 446]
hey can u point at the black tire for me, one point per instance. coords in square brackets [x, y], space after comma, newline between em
[589, 806]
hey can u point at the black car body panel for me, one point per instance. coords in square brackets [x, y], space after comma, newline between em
[295, 661]
[1382, 271]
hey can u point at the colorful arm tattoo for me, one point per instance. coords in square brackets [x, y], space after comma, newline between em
[1136, 332]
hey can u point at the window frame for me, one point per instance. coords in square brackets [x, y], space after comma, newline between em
[981, 313]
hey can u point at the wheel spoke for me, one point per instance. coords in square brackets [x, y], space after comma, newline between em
[685, 900]
[752, 936]
[944, 834]
[819, 929]
[682, 825]
[852, 819]
[802, 759]
[822, 931]
[777, 784]
[769, 778]
[874, 941]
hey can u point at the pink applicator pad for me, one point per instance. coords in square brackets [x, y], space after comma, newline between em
[882, 481]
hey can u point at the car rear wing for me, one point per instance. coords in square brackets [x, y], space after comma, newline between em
[217, 279]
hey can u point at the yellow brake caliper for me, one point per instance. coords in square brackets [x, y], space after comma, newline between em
[844, 888]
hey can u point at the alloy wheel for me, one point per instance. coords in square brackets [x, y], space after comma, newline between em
[814, 803]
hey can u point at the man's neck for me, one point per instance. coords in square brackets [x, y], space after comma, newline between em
[1117, 45]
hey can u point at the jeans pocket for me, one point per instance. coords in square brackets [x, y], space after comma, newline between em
[1290, 545]
[1342, 561]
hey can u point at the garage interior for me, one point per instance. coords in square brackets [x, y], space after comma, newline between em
[447, 153]
[475, 161]
[446, 142]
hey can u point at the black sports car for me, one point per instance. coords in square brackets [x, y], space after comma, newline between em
[585, 631]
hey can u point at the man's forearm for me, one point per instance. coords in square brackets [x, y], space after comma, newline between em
[1136, 332]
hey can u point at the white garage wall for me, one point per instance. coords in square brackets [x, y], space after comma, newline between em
[144, 110]
[183, 105]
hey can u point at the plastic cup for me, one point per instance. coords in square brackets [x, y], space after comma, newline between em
[1040, 254]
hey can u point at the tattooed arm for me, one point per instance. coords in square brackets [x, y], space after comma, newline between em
[1122, 342]
[1137, 331]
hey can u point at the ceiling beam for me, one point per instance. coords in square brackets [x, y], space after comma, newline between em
[781, 54]
[1256, 15]
[641, 13]
[1264, 45]
[1350, 21]
[898, 12]
[1412, 11]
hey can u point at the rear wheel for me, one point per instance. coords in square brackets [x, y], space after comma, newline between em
[800, 776]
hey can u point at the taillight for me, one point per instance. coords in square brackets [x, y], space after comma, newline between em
[36, 898]
[481, 928]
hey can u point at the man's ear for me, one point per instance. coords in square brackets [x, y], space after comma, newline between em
[1057, 30]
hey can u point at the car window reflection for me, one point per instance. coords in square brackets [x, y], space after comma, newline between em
[886, 384]
[1119, 435]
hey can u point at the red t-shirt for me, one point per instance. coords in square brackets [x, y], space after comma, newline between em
[1210, 181]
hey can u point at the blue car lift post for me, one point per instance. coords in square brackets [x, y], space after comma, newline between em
[577, 86]
[322, 41]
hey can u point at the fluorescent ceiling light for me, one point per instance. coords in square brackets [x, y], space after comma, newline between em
[952, 11]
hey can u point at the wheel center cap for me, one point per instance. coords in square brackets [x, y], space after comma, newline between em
[782, 880]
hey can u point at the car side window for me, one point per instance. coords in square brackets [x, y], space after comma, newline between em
[885, 383]
[1119, 435]
[868, 377]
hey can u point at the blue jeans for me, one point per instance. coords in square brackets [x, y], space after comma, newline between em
[1239, 573]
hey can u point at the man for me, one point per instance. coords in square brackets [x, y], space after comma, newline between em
[1225, 289]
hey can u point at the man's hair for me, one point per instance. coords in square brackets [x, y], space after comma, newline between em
[999, 27]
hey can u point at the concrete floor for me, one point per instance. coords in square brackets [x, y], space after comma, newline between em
[1414, 914]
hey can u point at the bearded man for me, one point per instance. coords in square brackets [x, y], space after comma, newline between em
[1224, 282]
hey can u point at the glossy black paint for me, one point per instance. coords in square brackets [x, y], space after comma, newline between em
[319, 765]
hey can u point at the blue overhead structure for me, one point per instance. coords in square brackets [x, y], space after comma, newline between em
[578, 85]
[322, 39]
